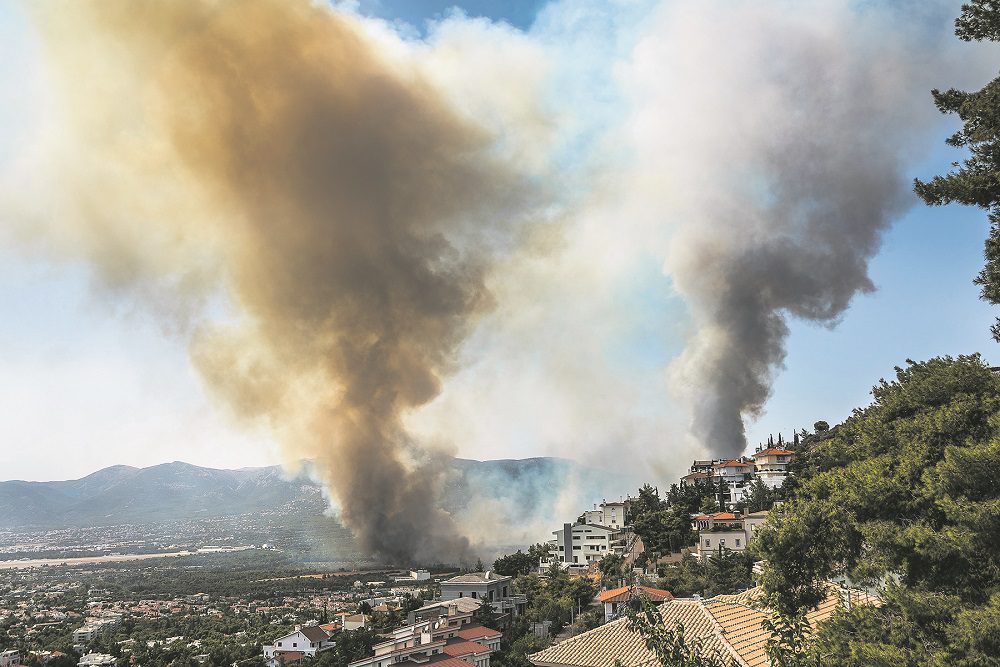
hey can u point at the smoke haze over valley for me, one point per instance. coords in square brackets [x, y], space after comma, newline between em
[380, 243]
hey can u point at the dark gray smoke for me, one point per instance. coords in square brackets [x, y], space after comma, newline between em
[780, 132]
[276, 153]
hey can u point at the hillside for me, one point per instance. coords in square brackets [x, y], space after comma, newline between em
[178, 491]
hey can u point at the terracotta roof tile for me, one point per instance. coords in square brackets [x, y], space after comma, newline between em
[728, 625]
[773, 451]
[460, 649]
[622, 594]
[478, 632]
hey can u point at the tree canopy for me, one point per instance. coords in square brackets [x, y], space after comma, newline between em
[902, 495]
[977, 181]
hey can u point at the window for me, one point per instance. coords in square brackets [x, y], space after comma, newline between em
[505, 591]
[474, 594]
[737, 541]
[279, 643]
[461, 594]
[708, 543]
[722, 543]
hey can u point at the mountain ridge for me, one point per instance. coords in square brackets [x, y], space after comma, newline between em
[176, 490]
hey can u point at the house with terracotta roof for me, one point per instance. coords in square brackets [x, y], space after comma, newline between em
[737, 474]
[438, 633]
[728, 626]
[615, 599]
[771, 465]
[696, 477]
[308, 640]
[725, 530]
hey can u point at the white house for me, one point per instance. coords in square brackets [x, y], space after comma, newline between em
[616, 599]
[614, 514]
[10, 657]
[728, 531]
[582, 543]
[737, 474]
[445, 634]
[97, 660]
[771, 466]
[94, 627]
[303, 642]
[709, 541]
[497, 589]
[354, 621]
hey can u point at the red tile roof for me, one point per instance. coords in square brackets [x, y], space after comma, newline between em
[622, 594]
[478, 632]
[447, 661]
[714, 516]
[733, 463]
[288, 656]
[773, 451]
[441, 660]
[460, 649]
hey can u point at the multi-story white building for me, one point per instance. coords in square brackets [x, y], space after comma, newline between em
[731, 532]
[447, 636]
[582, 543]
[614, 514]
[303, 642]
[10, 657]
[771, 466]
[93, 628]
[414, 577]
[737, 474]
[490, 586]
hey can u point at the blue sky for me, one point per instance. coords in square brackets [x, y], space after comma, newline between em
[87, 381]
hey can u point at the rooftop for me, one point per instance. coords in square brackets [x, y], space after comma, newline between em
[733, 463]
[478, 632]
[727, 625]
[314, 633]
[458, 649]
[622, 594]
[475, 578]
[773, 451]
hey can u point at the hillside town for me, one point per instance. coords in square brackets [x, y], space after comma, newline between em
[603, 559]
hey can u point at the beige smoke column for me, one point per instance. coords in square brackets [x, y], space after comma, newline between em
[270, 151]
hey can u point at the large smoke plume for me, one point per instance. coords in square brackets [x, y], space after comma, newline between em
[778, 134]
[282, 156]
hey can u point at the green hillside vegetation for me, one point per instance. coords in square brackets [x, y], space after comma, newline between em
[903, 496]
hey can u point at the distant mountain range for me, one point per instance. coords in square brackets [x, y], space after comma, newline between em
[181, 491]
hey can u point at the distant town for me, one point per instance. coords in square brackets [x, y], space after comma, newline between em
[113, 597]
